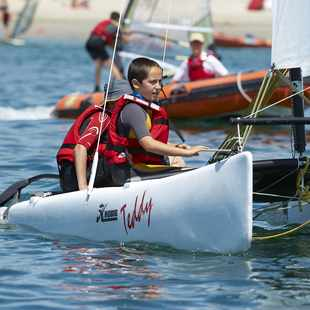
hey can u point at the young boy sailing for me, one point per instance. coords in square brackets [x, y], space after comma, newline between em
[137, 133]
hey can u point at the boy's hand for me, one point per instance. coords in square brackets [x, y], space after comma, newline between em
[182, 146]
[195, 150]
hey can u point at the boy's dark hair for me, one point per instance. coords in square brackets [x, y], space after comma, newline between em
[139, 69]
[115, 16]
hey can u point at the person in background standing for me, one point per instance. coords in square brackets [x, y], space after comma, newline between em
[256, 5]
[6, 16]
[80, 4]
[101, 37]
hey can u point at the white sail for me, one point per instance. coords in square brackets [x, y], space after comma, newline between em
[290, 34]
[156, 16]
[25, 18]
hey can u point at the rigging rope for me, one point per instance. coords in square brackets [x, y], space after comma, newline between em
[293, 88]
[279, 180]
[303, 191]
[281, 100]
[102, 114]
[240, 88]
[302, 194]
[285, 233]
[236, 142]
[270, 81]
[166, 32]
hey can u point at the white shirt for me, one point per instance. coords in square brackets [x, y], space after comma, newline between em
[210, 63]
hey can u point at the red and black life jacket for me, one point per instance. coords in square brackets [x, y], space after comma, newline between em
[196, 70]
[103, 30]
[66, 151]
[119, 147]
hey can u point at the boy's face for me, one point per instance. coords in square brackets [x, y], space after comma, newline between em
[150, 87]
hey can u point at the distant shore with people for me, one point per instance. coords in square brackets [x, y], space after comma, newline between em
[58, 19]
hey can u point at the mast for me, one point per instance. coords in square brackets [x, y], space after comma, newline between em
[298, 111]
[290, 20]
[127, 11]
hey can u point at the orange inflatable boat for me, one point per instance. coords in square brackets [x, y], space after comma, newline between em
[199, 99]
[72, 105]
[220, 96]
[221, 39]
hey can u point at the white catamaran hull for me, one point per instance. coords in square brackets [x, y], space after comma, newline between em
[209, 209]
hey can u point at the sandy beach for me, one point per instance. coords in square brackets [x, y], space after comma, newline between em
[57, 19]
[235, 19]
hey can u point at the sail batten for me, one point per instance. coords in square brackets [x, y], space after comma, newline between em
[290, 34]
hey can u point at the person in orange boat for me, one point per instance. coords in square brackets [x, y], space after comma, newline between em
[256, 5]
[101, 37]
[4, 9]
[200, 65]
[75, 156]
[79, 4]
[139, 129]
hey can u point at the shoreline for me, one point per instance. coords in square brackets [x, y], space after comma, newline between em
[238, 20]
[56, 20]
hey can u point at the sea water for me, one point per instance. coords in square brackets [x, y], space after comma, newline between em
[40, 271]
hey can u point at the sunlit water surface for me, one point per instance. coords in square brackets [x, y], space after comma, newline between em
[40, 271]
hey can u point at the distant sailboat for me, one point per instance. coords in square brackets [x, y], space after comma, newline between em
[151, 16]
[23, 23]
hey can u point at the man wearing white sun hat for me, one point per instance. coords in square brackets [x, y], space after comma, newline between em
[200, 65]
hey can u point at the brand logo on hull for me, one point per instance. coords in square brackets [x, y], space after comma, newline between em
[106, 215]
[140, 210]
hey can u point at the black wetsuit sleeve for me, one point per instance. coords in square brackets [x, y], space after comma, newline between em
[134, 117]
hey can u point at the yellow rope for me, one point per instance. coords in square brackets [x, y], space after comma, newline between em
[285, 233]
[303, 191]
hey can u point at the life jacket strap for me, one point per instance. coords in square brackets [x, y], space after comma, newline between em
[68, 146]
[147, 104]
[161, 121]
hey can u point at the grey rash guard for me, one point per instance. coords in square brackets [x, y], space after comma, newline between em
[133, 117]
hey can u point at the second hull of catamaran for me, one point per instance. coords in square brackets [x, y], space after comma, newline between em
[207, 209]
[285, 213]
[281, 191]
